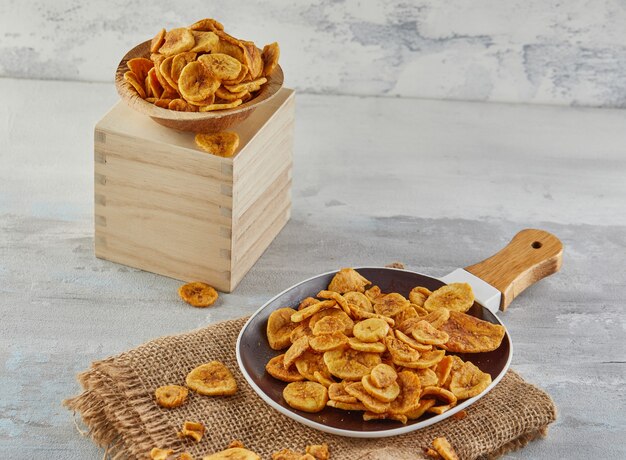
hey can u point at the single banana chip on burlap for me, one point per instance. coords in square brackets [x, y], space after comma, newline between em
[193, 430]
[383, 375]
[270, 56]
[135, 83]
[198, 294]
[346, 280]
[223, 66]
[318, 451]
[385, 394]
[170, 396]
[454, 296]
[196, 82]
[287, 454]
[468, 334]
[280, 327]
[160, 454]
[424, 332]
[177, 41]
[350, 364]
[469, 381]
[233, 453]
[371, 330]
[306, 396]
[222, 144]
[445, 449]
[212, 379]
[277, 369]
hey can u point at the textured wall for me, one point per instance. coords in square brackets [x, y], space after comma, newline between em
[540, 51]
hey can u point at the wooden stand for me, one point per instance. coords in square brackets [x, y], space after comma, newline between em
[165, 206]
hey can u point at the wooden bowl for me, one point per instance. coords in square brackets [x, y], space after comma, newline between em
[198, 122]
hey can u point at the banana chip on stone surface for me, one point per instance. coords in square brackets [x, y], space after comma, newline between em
[306, 396]
[212, 379]
[445, 449]
[198, 294]
[223, 144]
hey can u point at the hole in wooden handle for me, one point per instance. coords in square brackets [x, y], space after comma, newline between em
[536, 244]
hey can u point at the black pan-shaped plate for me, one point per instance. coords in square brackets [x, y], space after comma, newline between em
[253, 352]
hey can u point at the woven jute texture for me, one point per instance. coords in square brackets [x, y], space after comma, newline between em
[118, 407]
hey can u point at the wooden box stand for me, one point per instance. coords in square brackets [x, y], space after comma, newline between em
[165, 206]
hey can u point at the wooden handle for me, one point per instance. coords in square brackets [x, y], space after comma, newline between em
[530, 256]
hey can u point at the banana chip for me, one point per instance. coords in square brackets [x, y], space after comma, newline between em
[454, 296]
[309, 311]
[170, 396]
[207, 24]
[178, 64]
[270, 56]
[390, 304]
[318, 451]
[133, 81]
[443, 369]
[306, 396]
[229, 105]
[386, 416]
[330, 325]
[350, 364]
[421, 409]
[286, 454]
[427, 377]
[344, 320]
[327, 342]
[198, 294]
[276, 368]
[301, 330]
[193, 430]
[140, 67]
[223, 66]
[471, 335]
[307, 302]
[279, 328]
[196, 82]
[233, 453]
[424, 332]
[383, 375]
[160, 454]
[445, 449]
[204, 42]
[177, 41]
[337, 392]
[373, 293]
[212, 379]
[427, 359]
[227, 96]
[157, 41]
[469, 381]
[385, 394]
[371, 403]
[346, 280]
[311, 362]
[437, 317]
[418, 295]
[441, 394]
[372, 347]
[370, 330]
[401, 352]
[182, 105]
[296, 350]
[359, 300]
[155, 86]
[411, 342]
[222, 144]
[346, 406]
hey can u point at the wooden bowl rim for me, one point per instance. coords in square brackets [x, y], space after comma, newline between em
[268, 90]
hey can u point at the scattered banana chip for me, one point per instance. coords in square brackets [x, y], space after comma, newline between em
[223, 144]
[170, 396]
[193, 430]
[279, 328]
[286, 454]
[445, 449]
[212, 379]
[306, 396]
[454, 296]
[198, 294]
[388, 352]
[318, 451]
[160, 454]
[233, 453]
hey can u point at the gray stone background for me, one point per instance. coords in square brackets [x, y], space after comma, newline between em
[529, 51]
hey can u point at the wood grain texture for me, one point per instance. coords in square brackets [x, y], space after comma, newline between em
[529, 257]
[436, 185]
[163, 205]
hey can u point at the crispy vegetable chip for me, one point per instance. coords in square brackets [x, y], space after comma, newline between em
[454, 296]
[207, 24]
[318, 451]
[437, 317]
[338, 316]
[177, 41]
[471, 335]
[280, 327]
[411, 342]
[270, 56]
[157, 41]
[418, 295]
[193, 430]
[196, 82]
[296, 350]
[427, 359]
[309, 311]
[370, 330]
[441, 394]
[223, 66]
[160, 454]
[233, 453]
[311, 362]
[359, 300]
[140, 67]
[198, 294]
[306, 396]
[469, 381]
[227, 96]
[385, 394]
[383, 375]
[337, 392]
[424, 332]
[346, 406]
[204, 42]
[372, 347]
[423, 406]
[408, 398]
[400, 351]
[346, 280]
[350, 364]
[327, 342]
[133, 81]
[427, 377]
[170, 396]
[371, 403]
[223, 144]
[444, 448]
[212, 379]
[276, 368]
[390, 304]
[307, 302]
[178, 64]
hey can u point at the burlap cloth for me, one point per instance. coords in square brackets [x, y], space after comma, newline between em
[118, 407]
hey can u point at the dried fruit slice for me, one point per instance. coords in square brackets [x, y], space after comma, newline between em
[440, 409]
[134, 82]
[338, 315]
[454, 296]
[343, 303]
[373, 293]
[437, 317]
[307, 302]
[427, 359]
[427, 377]
[231, 47]
[469, 381]
[300, 330]
[318, 451]
[443, 369]
[306, 396]
[409, 398]
[400, 351]
[270, 56]
[243, 75]
[309, 311]
[204, 42]
[370, 330]
[383, 375]
[441, 394]
[418, 295]
[286, 454]
[372, 347]
[226, 95]
[471, 335]
[181, 105]
[223, 66]
[457, 363]
[411, 342]
[337, 392]
[421, 408]
[445, 449]
[367, 416]
[214, 107]
[140, 67]
[178, 64]
[276, 368]
[157, 41]
[371, 403]
[296, 350]
[279, 328]
[350, 364]
[208, 101]
[212, 379]
[193, 430]
[223, 144]
[163, 103]
[406, 314]
[196, 82]
[424, 332]
[385, 394]
[346, 280]
[311, 362]
[359, 300]
[328, 325]
[177, 41]
[233, 453]
[166, 71]
[160, 454]
[185, 456]
[155, 86]
[327, 342]
[345, 405]
[198, 294]
[390, 304]
[170, 396]
[361, 314]
[207, 24]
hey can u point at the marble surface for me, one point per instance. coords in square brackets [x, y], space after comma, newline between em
[436, 185]
[537, 51]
